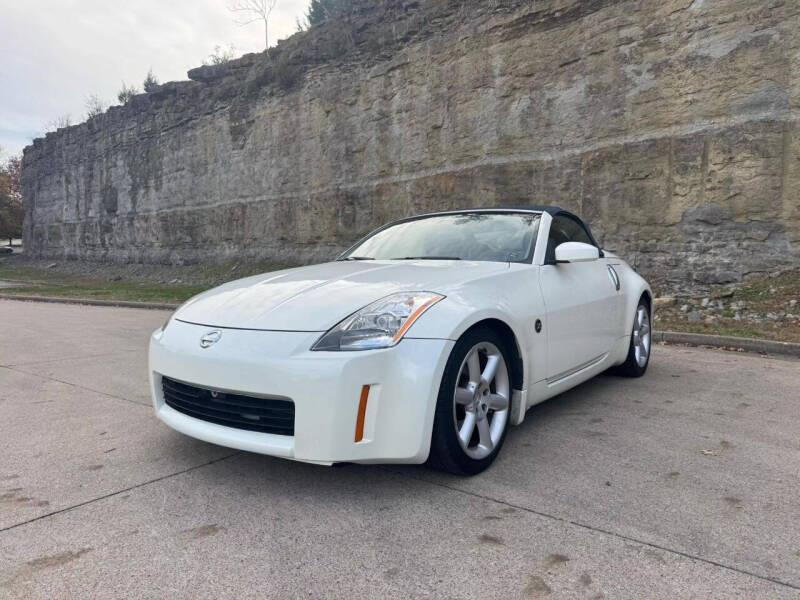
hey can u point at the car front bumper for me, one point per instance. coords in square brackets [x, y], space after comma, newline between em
[325, 388]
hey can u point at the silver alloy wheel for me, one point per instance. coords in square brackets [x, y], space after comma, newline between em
[641, 336]
[481, 400]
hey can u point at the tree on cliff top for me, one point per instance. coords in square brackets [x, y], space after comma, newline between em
[94, 106]
[11, 210]
[150, 82]
[58, 123]
[252, 11]
[126, 93]
[221, 55]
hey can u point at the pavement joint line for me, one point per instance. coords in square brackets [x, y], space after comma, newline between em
[112, 494]
[604, 531]
[68, 358]
[75, 385]
[444, 486]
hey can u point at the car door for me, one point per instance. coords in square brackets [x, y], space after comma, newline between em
[581, 302]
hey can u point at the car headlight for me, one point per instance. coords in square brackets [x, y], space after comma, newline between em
[378, 325]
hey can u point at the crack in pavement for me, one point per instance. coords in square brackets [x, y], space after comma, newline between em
[112, 494]
[602, 531]
[75, 385]
[70, 358]
[451, 488]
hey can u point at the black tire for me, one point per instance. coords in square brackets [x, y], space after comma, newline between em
[446, 452]
[633, 367]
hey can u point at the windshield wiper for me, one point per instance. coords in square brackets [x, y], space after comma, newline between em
[427, 258]
[357, 258]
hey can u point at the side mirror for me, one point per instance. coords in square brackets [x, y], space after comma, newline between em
[576, 252]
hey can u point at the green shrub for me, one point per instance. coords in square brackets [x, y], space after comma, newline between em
[221, 55]
[320, 11]
[126, 93]
[286, 73]
[150, 82]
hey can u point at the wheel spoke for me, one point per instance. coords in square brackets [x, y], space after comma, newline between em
[642, 337]
[467, 427]
[474, 366]
[490, 370]
[483, 384]
[485, 434]
[498, 402]
[463, 396]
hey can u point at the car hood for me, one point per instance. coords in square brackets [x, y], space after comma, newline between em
[317, 297]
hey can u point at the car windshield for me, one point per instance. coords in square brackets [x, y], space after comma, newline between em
[482, 236]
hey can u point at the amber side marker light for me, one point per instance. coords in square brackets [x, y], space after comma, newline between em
[362, 410]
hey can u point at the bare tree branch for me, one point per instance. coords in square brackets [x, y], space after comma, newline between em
[249, 21]
[259, 10]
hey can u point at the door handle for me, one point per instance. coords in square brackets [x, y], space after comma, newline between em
[614, 277]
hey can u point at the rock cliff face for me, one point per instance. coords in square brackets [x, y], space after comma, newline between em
[670, 125]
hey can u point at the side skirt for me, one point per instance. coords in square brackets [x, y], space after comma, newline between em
[547, 388]
[569, 373]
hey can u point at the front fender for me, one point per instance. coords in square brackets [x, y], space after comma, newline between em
[514, 298]
[633, 287]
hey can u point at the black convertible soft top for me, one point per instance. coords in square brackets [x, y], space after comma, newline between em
[551, 210]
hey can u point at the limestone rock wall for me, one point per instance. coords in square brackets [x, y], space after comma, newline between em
[670, 125]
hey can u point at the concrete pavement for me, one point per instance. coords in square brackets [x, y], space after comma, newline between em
[681, 484]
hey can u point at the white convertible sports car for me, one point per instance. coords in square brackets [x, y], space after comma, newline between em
[424, 341]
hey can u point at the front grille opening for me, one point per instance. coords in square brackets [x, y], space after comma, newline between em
[266, 415]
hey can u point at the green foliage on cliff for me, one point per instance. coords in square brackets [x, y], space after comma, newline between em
[286, 73]
[11, 211]
[150, 82]
[320, 11]
[126, 93]
[221, 55]
[94, 106]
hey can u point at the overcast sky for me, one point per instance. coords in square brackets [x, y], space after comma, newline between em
[55, 53]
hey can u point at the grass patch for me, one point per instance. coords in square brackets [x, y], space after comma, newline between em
[175, 284]
[126, 292]
[716, 329]
[763, 306]
[35, 281]
[773, 290]
[169, 284]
